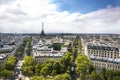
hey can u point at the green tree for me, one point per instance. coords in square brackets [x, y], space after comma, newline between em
[28, 51]
[28, 66]
[82, 63]
[56, 66]
[44, 71]
[19, 54]
[28, 61]
[95, 76]
[109, 74]
[102, 74]
[65, 60]
[54, 72]
[6, 74]
[116, 78]
[27, 70]
[37, 78]
[10, 63]
[64, 76]
[37, 69]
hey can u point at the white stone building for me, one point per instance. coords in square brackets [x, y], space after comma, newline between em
[42, 53]
[103, 56]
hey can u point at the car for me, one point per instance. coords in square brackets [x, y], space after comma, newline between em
[16, 73]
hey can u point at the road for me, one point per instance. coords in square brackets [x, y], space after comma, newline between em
[73, 69]
[18, 73]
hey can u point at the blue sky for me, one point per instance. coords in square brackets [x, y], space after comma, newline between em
[85, 6]
[60, 16]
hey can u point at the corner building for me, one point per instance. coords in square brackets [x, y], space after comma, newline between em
[104, 56]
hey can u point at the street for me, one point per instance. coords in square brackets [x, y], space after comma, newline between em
[18, 73]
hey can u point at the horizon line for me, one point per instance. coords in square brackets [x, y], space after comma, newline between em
[57, 33]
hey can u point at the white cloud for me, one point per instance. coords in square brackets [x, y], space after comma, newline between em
[2, 2]
[27, 15]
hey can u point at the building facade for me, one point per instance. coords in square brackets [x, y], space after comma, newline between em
[104, 56]
[43, 53]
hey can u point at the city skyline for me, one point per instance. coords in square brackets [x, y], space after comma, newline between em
[66, 16]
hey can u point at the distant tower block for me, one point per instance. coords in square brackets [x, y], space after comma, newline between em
[42, 32]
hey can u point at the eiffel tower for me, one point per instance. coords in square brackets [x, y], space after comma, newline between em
[42, 32]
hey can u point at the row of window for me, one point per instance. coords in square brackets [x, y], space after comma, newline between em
[102, 54]
[102, 51]
[109, 66]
